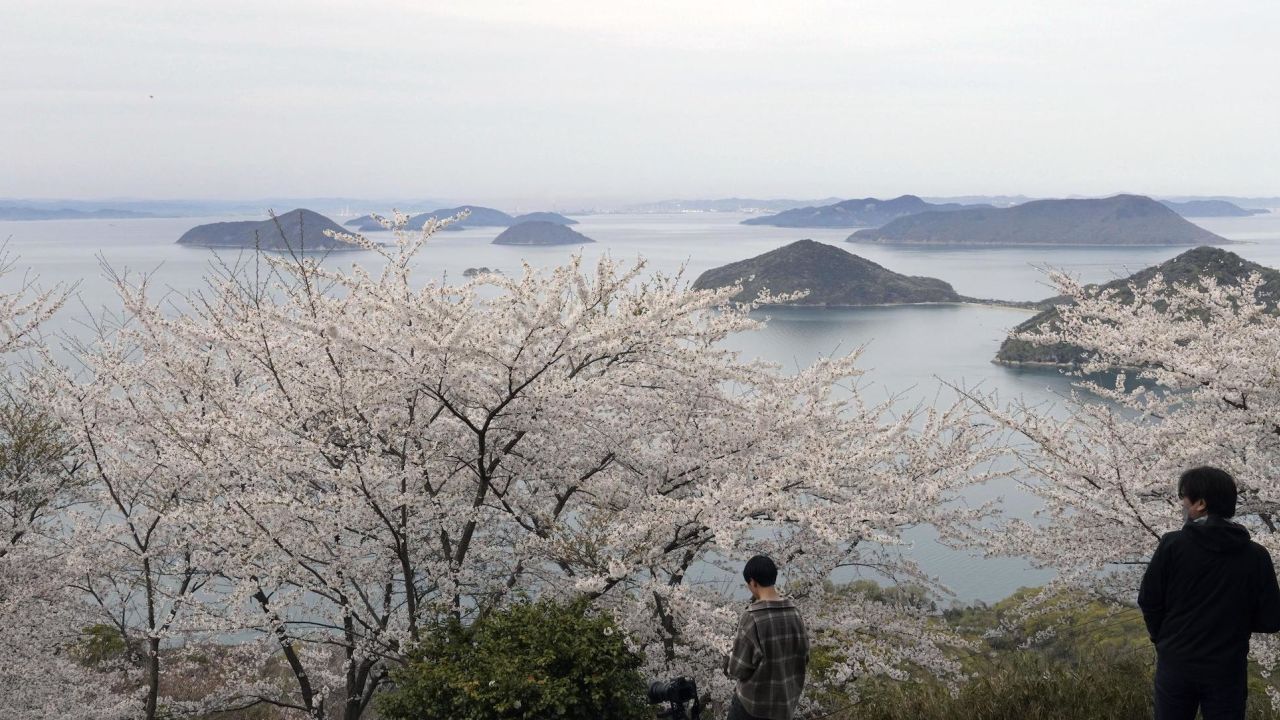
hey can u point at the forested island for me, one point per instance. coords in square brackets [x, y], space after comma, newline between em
[1224, 267]
[1118, 220]
[299, 229]
[866, 212]
[832, 277]
[551, 217]
[541, 233]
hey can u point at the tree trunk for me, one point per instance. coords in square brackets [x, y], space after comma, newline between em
[153, 676]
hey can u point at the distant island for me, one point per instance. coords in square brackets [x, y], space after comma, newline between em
[541, 233]
[556, 218]
[723, 205]
[32, 213]
[298, 229]
[479, 217]
[1119, 220]
[1224, 266]
[477, 272]
[1210, 208]
[867, 212]
[833, 277]
[363, 223]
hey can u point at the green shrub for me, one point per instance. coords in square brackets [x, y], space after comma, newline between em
[99, 644]
[533, 660]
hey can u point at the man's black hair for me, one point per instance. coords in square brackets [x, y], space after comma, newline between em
[761, 569]
[1216, 487]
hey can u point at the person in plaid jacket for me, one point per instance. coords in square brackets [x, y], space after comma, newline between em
[770, 651]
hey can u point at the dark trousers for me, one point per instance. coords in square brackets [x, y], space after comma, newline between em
[737, 712]
[1179, 694]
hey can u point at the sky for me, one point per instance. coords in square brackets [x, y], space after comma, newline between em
[567, 102]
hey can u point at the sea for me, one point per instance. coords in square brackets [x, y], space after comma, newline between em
[909, 352]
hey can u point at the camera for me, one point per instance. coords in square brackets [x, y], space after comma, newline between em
[676, 694]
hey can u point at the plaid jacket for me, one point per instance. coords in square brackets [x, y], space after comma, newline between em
[769, 657]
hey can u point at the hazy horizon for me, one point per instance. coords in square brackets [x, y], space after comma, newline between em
[565, 103]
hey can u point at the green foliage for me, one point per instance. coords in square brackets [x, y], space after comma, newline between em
[101, 643]
[912, 596]
[533, 660]
[31, 445]
[1064, 627]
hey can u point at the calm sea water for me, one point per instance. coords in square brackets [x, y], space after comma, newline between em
[908, 350]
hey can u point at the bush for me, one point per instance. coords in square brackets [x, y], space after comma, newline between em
[533, 660]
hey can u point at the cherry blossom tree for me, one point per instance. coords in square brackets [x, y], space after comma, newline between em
[45, 668]
[1200, 385]
[318, 466]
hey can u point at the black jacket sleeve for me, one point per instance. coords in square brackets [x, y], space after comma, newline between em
[1151, 596]
[1266, 613]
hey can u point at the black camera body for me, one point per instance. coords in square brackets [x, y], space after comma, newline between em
[676, 693]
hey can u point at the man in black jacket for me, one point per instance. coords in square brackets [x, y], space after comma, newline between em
[1206, 589]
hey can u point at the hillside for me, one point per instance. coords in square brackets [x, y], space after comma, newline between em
[541, 233]
[867, 212]
[294, 230]
[1119, 220]
[832, 276]
[1210, 208]
[1224, 266]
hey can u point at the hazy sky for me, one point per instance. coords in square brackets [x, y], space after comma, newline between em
[562, 101]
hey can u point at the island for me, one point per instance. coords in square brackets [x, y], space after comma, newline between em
[297, 230]
[477, 272]
[363, 223]
[541, 233]
[1210, 208]
[732, 205]
[832, 276]
[1227, 268]
[556, 218]
[479, 217]
[32, 213]
[1118, 220]
[867, 212]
